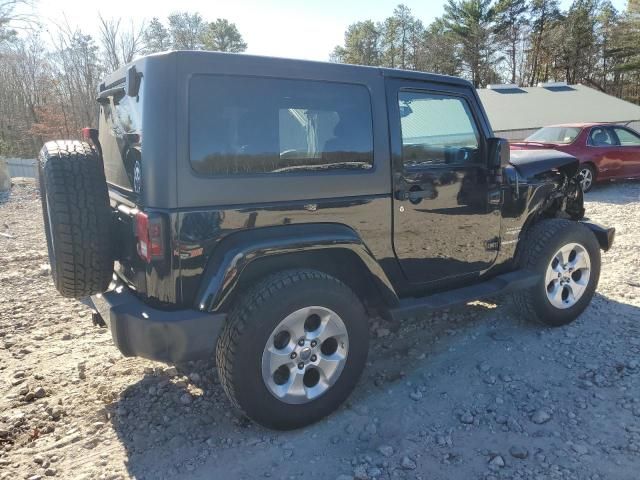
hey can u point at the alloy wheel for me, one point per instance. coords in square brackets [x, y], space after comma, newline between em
[305, 355]
[567, 275]
[587, 179]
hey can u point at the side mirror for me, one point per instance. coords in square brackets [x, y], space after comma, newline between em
[499, 154]
[405, 111]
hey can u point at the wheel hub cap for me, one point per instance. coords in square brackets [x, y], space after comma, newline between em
[568, 275]
[587, 178]
[305, 355]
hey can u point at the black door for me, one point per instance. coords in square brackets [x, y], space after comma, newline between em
[446, 201]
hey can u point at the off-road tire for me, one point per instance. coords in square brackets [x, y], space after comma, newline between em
[77, 217]
[249, 326]
[539, 246]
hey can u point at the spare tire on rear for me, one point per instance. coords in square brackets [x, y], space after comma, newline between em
[77, 217]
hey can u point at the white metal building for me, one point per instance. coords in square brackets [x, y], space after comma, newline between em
[516, 112]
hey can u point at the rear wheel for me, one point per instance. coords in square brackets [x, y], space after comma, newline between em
[566, 257]
[588, 174]
[293, 348]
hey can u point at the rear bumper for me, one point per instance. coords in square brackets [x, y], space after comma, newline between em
[168, 336]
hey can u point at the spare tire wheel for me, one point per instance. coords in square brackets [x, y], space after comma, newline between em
[77, 217]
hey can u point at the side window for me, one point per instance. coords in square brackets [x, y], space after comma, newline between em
[601, 137]
[246, 125]
[627, 138]
[436, 129]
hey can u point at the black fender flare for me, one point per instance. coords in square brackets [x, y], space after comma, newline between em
[235, 252]
[604, 235]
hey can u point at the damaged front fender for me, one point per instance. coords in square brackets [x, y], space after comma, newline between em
[547, 182]
[531, 163]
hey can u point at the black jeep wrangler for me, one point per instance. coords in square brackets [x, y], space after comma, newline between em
[265, 209]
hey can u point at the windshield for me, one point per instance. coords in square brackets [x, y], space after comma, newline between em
[562, 135]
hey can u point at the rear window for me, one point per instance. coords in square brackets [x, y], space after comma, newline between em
[247, 125]
[120, 133]
[562, 135]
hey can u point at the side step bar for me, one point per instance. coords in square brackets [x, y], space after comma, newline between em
[508, 282]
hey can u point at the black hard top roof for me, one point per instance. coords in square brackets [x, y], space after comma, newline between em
[289, 63]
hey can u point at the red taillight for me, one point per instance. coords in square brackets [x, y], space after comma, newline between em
[150, 234]
[90, 134]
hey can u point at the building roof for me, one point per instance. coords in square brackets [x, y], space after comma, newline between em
[524, 108]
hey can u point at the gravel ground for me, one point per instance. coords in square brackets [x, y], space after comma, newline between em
[467, 393]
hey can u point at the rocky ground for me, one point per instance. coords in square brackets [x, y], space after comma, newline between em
[470, 393]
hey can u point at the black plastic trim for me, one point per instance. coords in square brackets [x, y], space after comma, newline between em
[165, 335]
[499, 285]
[604, 235]
[234, 253]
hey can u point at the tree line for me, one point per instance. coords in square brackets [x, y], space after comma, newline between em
[49, 79]
[509, 41]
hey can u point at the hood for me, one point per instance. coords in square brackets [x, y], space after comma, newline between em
[530, 163]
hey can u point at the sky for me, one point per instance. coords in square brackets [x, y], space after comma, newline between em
[283, 28]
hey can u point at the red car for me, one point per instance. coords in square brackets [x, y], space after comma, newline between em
[606, 151]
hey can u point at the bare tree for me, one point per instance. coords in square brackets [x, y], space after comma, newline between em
[120, 46]
[132, 42]
[109, 41]
[79, 71]
[11, 20]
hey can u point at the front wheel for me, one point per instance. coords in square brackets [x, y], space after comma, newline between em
[293, 348]
[566, 256]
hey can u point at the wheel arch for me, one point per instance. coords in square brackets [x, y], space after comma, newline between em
[335, 249]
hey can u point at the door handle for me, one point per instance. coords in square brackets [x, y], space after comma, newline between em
[415, 195]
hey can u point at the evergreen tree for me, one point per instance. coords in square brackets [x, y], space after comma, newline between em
[472, 21]
[223, 36]
[186, 30]
[156, 37]
[511, 22]
[361, 44]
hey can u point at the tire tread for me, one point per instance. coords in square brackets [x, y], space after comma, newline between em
[72, 177]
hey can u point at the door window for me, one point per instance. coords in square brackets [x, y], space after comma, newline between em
[601, 137]
[627, 138]
[436, 130]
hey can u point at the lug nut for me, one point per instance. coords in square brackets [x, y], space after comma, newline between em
[301, 342]
[313, 358]
[301, 365]
[313, 343]
[293, 355]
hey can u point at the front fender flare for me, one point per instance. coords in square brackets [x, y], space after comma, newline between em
[236, 252]
[604, 235]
